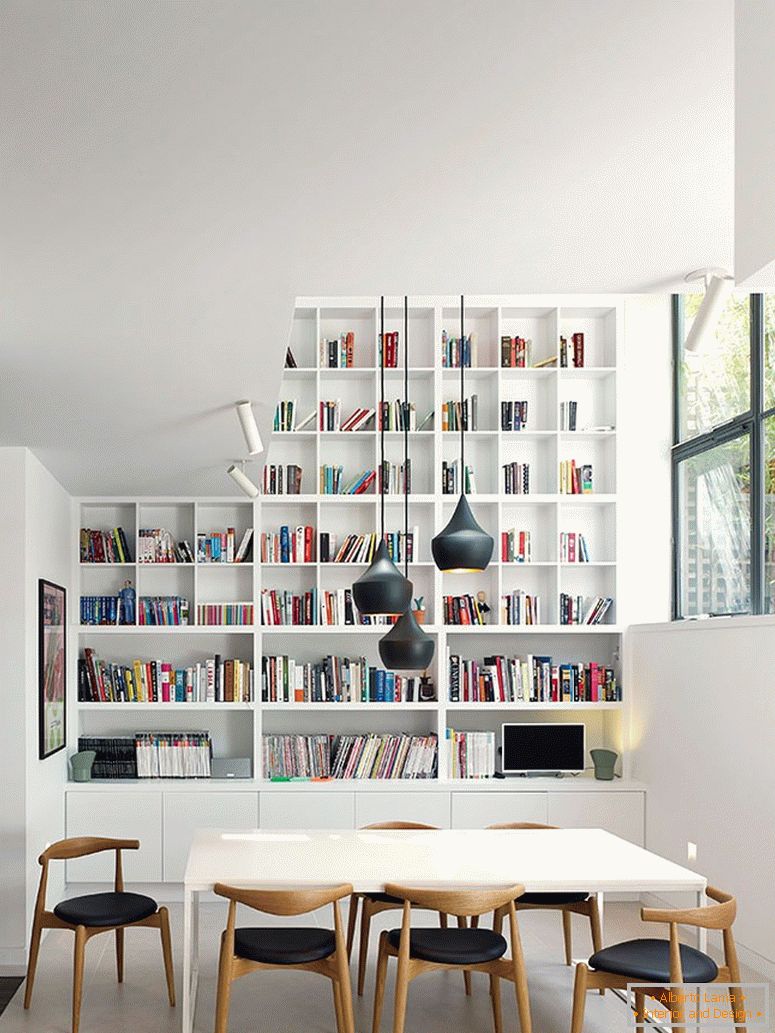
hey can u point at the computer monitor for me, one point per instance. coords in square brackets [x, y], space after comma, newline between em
[531, 748]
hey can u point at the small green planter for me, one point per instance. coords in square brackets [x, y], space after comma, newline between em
[605, 762]
[81, 765]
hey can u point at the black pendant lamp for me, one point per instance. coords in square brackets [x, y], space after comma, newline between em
[463, 546]
[382, 590]
[406, 647]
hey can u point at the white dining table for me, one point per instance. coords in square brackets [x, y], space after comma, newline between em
[571, 860]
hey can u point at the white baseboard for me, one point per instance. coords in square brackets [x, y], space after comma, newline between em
[13, 961]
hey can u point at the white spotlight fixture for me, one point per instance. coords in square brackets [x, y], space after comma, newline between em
[718, 287]
[240, 478]
[249, 428]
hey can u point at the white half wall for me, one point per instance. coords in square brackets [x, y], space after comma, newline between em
[704, 742]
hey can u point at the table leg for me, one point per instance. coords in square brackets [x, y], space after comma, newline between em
[601, 913]
[186, 1022]
[702, 934]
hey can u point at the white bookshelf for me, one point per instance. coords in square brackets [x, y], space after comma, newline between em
[237, 728]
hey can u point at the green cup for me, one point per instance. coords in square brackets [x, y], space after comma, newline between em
[80, 765]
[605, 762]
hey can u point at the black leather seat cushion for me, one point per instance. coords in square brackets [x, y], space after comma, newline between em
[289, 946]
[102, 909]
[453, 946]
[553, 899]
[384, 898]
[648, 960]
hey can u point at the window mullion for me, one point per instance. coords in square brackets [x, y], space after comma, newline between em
[757, 453]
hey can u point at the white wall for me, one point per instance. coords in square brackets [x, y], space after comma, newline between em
[704, 742]
[35, 514]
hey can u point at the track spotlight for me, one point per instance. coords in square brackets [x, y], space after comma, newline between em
[249, 428]
[243, 482]
[718, 287]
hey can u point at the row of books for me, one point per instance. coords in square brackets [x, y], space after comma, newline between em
[104, 546]
[215, 614]
[285, 416]
[173, 754]
[514, 415]
[162, 609]
[114, 756]
[573, 609]
[572, 353]
[516, 478]
[359, 419]
[104, 609]
[371, 756]
[575, 479]
[530, 679]
[334, 679]
[568, 415]
[519, 607]
[289, 545]
[456, 352]
[465, 609]
[515, 352]
[221, 546]
[338, 352]
[515, 546]
[282, 480]
[573, 548]
[450, 478]
[395, 478]
[456, 415]
[398, 416]
[213, 680]
[157, 545]
[279, 607]
[389, 349]
[471, 754]
[332, 481]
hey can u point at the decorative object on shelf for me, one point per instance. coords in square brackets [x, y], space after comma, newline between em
[418, 607]
[406, 647]
[427, 690]
[237, 473]
[484, 609]
[249, 428]
[605, 762]
[81, 765]
[52, 665]
[463, 545]
[382, 589]
[128, 603]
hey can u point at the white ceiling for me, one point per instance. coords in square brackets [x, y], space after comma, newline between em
[176, 173]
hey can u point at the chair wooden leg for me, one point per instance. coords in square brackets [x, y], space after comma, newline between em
[352, 918]
[495, 994]
[223, 995]
[166, 947]
[640, 1007]
[579, 999]
[676, 1016]
[379, 988]
[462, 923]
[78, 960]
[337, 1006]
[364, 947]
[401, 994]
[597, 935]
[120, 955]
[345, 992]
[567, 937]
[32, 964]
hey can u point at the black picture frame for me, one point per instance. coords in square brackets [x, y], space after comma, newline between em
[52, 668]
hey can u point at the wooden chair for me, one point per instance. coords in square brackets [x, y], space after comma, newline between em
[472, 949]
[311, 949]
[95, 913]
[374, 903]
[659, 962]
[566, 903]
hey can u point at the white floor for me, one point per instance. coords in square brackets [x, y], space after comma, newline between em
[294, 1002]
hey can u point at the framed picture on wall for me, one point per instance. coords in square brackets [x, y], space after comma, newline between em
[52, 603]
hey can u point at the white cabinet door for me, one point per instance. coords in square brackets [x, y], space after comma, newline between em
[426, 808]
[477, 810]
[307, 810]
[131, 815]
[620, 813]
[185, 812]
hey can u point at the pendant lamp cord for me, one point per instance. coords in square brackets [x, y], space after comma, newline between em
[406, 437]
[462, 397]
[381, 480]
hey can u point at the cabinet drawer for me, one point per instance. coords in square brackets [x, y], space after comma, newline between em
[426, 808]
[477, 810]
[121, 816]
[186, 812]
[620, 813]
[307, 810]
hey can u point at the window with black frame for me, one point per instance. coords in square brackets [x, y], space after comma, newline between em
[724, 460]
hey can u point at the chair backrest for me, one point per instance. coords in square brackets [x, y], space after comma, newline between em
[456, 901]
[720, 916]
[285, 901]
[521, 825]
[81, 846]
[400, 825]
